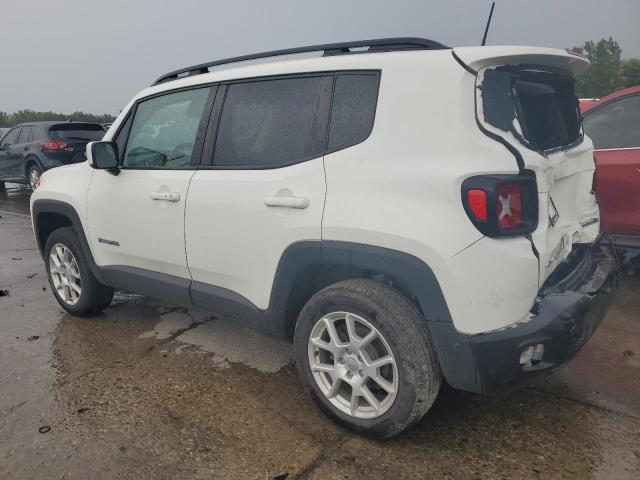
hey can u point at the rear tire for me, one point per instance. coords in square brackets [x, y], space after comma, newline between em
[33, 176]
[71, 280]
[410, 372]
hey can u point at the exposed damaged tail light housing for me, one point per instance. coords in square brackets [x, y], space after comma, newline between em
[502, 205]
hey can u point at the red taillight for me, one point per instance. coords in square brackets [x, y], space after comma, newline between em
[509, 206]
[477, 200]
[53, 145]
[502, 205]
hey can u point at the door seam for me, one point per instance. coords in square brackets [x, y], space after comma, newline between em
[184, 230]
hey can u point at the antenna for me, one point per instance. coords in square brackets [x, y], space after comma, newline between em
[486, 30]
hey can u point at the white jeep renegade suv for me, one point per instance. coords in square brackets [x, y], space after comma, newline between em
[406, 214]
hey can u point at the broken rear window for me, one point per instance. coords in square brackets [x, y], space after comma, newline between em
[538, 107]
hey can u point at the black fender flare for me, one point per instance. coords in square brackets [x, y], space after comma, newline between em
[411, 275]
[402, 271]
[63, 209]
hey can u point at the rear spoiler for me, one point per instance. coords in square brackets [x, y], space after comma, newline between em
[476, 58]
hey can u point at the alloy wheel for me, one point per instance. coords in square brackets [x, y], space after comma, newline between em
[34, 178]
[65, 274]
[353, 365]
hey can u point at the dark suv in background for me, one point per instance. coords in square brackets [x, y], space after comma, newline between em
[31, 148]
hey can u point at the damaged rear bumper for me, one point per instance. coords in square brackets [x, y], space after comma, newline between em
[569, 308]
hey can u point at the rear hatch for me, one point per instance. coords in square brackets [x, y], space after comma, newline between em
[69, 140]
[525, 99]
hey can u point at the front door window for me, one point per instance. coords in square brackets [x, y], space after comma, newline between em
[164, 130]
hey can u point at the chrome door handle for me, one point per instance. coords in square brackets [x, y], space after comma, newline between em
[287, 202]
[168, 196]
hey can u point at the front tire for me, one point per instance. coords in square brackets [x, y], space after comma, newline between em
[73, 284]
[364, 355]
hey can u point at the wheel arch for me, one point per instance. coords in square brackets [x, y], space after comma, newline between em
[31, 160]
[307, 267]
[49, 215]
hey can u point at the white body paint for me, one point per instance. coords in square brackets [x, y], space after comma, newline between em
[399, 189]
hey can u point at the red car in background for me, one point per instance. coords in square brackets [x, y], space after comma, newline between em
[613, 123]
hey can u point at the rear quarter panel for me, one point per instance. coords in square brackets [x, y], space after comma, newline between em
[401, 189]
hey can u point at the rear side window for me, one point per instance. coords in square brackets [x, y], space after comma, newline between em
[538, 107]
[353, 109]
[24, 135]
[89, 133]
[615, 125]
[38, 133]
[273, 123]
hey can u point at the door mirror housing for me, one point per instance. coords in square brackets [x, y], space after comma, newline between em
[104, 156]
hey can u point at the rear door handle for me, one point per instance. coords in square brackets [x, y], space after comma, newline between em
[287, 202]
[167, 196]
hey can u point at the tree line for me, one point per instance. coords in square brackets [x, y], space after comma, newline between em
[22, 116]
[608, 72]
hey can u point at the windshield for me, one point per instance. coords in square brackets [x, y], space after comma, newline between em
[88, 133]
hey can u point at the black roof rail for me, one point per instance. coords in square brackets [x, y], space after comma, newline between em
[375, 45]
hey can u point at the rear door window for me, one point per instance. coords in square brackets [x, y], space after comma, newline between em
[615, 125]
[353, 110]
[273, 123]
[24, 134]
[87, 133]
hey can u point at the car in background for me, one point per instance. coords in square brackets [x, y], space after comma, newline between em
[29, 149]
[613, 123]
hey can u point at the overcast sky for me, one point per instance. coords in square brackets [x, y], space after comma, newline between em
[94, 55]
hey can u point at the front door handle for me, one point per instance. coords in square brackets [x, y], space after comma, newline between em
[287, 202]
[168, 196]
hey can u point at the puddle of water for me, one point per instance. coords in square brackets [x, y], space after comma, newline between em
[230, 342]
[169, 325]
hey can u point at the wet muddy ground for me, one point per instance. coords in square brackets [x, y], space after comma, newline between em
[147, 390]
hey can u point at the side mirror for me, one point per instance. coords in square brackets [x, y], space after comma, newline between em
[103, 156]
